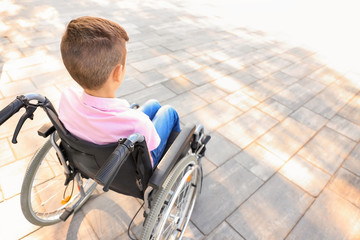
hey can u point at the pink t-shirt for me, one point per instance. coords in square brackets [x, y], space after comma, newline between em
[103, 120]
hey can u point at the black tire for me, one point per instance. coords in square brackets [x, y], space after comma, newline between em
[43, 188]
[173, 204]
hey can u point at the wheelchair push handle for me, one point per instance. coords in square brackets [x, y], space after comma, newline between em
[11, 109]
[105, 176]
[19, 102]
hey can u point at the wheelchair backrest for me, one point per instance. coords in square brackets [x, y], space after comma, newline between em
[87, 158]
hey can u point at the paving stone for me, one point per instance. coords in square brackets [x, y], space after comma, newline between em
[274, 109]
[205, 60]
[228, 84]
[28, 141]
[244, 77]
[11, 177]
[286, 138]
[283, 52]
[263, 89]
[248, 127]
[210, 116]
[192, 232]
[350, 86]
[219, 155]
[225, 232]
[203, 76]
[10, 53]
[350, 81]
[352, 162]
[158, 40]
[52, 93]
[207, 165]
[220, 196]
[181, 68]
[305, 175]
[299, 70]
[186, 103]
[110, 214]
[43, 40]
[4, 77]
[179, 85]
[345, 127]
[309, 118]
[68, 83]
[183, 44]
[259, 161]
[13, 223]
[293, 96]
[329, 102]
[203, 49]
[325, 75]
[327, 149]
[229, 66]
[300, 52]
[218, 55]
[257, 72]
[23, 62]
[51, 64]
[144, 54]
[330, 217]
[314, 60]
[6, 153]
[151, 78]
[347, 185]
[274, 64]
[181, 55]
[209, 92]
[242, 101]
[157, 91]
[284, 78]
[254, 57]
[272, 211]
[13, 89]
[49, 79]
[312, 85]
[135, 46]
[153, 63]
[351, 110]
[76, 227]
[244, 48]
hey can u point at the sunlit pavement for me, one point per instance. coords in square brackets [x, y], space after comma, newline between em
[276, 84]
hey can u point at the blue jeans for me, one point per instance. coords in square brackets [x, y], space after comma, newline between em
[165, 119]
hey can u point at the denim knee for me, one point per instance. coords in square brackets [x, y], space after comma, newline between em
[171, 111]
[152, 102]
[150, 108]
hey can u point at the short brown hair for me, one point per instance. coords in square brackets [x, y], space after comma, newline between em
[90, 48]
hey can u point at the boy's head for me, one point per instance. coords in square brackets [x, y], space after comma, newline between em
[91, 48]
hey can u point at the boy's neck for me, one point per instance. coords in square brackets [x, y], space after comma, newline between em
[101, 93]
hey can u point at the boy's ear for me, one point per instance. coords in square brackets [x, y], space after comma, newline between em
[118, 72]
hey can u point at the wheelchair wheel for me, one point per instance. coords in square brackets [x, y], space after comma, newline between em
[44, 195]
[172, 207]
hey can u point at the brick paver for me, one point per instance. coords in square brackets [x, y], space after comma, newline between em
[285, 155]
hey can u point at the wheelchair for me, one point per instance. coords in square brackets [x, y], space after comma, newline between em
[49, 195]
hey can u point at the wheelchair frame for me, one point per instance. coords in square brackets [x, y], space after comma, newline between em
[169, 194]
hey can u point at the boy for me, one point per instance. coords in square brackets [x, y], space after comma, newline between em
[94, 53]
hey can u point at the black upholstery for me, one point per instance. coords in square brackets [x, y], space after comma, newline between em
[87, 158]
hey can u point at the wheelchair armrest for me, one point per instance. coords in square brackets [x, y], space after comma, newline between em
[46, 130]
[178, 149]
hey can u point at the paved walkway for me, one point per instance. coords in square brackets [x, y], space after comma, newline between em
[283, 162]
